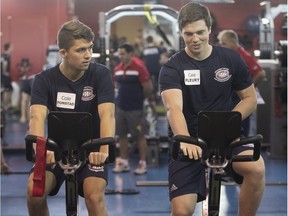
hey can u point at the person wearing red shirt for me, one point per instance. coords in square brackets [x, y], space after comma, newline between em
[230, 40]
[133, 84]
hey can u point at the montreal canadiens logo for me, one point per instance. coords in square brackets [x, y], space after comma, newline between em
[222, 75]
[87, 94]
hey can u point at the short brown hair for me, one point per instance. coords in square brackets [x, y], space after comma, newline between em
[73, 30]
[193, 12]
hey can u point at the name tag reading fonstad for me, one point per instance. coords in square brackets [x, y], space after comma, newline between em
[66, 100]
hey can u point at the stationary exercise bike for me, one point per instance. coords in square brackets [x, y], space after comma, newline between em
[69, 136]
[218, 136]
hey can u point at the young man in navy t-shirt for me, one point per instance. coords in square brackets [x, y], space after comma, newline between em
[74, 85]
[202, 78]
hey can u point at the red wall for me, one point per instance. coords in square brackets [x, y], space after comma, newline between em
[35, 23]
[30, 26]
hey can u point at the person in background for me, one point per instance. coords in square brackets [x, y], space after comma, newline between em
[132, 80]
[217, 72]
[26, 79]
[6, 89]
[165, 56]
[6, 82]
[88, 87]
[230, 40]
[151, 56]
[4, 166]
[138, 43]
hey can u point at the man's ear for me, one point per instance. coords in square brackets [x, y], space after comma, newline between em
[62, 53]
[209, 30]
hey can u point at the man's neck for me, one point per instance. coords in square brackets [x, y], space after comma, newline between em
[125, 65]
[200, 56]
[70, 73]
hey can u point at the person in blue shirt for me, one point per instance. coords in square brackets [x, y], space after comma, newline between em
[133, 84]
[202, 77]
[74, 85]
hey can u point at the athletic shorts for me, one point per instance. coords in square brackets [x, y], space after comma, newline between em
[82, 173]
[132, 122]
[26, 86]
[188, 177]
[6, 83]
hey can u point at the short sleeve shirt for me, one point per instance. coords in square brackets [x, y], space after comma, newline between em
[53, 90]
[129, 83]
[206, 85]
[251, 62]
[151, 57]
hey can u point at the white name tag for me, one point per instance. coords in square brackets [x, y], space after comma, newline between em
[192, 77]
[66, 100]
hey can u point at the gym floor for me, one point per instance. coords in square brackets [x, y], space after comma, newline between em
[151, 200]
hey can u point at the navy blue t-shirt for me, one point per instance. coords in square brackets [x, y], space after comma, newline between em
[206, 85]
[52, 89]
[151, 57]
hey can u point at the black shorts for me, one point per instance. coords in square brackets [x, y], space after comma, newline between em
[82, 173]
[188, 177]
[6, 83]
[26, 86]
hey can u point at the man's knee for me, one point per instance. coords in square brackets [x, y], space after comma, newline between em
[259, 169]
[180, 211]
[184, 205]
[94, 195]
[50, 183]
[254, 173]
[32, 200]
[94, 199]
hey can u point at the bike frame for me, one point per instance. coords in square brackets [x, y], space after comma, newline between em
[71, 190]
[211, 205]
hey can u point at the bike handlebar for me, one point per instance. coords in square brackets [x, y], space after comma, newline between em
[191, 140]
[84, 149]
[255, 140]
[89, 146]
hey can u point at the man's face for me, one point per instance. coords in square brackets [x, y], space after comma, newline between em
[196, 37]
[79, 55]
[124, 56]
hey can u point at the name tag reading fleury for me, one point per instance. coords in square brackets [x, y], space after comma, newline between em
[66, 100]
[192, 77]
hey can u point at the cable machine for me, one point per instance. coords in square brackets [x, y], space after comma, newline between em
[153, 13]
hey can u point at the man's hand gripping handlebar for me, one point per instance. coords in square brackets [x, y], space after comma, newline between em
[83, 151]
[254, 140]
